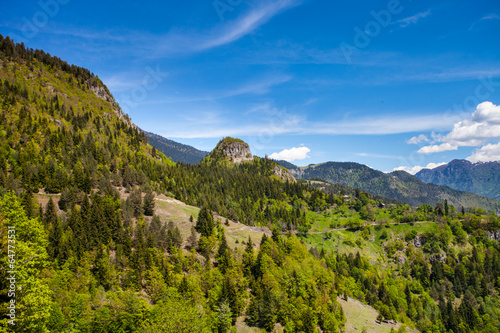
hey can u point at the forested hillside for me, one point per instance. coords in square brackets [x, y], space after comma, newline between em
[98, 250]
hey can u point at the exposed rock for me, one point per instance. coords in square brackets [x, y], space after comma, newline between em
[235, 150]
[493, 235]
[297, 172]
[101, 92]
[438, 257]
[283, 174]
[402, 260]
[418, 241]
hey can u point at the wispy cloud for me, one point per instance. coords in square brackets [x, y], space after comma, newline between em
[296, 125]
[188, 42]
[485, 18]
[257, 87]
[177, 41]
[371, 155]
[405, 22]
[417, 139]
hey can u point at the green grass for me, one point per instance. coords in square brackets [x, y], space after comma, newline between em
[372, 246]
[360, 316]
[169, 209]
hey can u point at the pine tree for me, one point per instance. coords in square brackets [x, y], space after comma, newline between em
[135, 201]
[248, 258]
[192, 240]
[50, 216]
[223, 253]
[205, 222]
[149, 204]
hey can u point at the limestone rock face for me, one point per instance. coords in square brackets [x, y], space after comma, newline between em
[283, 174]
[103, 94]
[100, 92]
[235, 150]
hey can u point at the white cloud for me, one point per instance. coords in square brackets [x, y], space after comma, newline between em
[487, 112]
[483, 126]
[291, 154]
[488, 153]
[417, 139]
[415, 169]
[403, 23]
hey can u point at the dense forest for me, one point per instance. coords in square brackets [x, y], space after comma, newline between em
[81, 187]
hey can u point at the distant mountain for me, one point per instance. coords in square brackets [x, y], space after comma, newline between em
[397, 185]
[288, 165]
[481, 178]
[178, 152]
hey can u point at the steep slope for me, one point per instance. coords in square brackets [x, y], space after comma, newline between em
[61, 129]
[398, 185]
[479, 178]
[178, 152]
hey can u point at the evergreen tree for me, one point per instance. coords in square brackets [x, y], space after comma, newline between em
[205, 222]
[223, 253]
[50, 216]
[149, 204]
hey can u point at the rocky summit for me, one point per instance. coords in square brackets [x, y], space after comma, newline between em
[235, 150]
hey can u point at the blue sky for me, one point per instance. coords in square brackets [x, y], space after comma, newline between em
[384, 83]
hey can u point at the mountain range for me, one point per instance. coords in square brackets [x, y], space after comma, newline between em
[482, 178]
[397, 185]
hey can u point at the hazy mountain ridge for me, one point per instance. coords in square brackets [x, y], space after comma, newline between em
[178, 152]
[397, 185]
[482, 178]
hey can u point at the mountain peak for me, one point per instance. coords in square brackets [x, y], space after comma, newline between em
[233, 149]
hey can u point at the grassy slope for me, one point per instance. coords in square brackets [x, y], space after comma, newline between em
[361, 316]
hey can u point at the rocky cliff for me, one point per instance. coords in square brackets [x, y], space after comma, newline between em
[235, 150]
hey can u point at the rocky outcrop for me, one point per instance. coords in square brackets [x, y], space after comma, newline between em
[418, 241]
[235, 150]
[283, 174]
[104, 94]
[493, 235]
